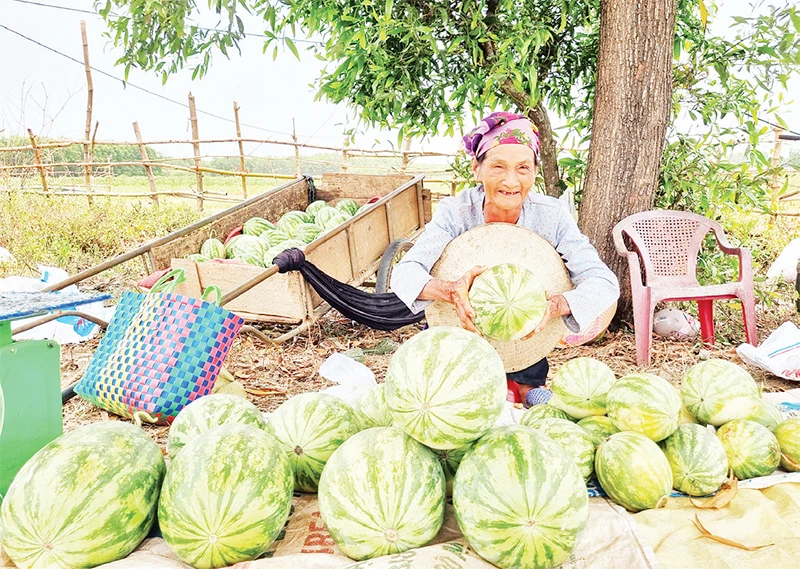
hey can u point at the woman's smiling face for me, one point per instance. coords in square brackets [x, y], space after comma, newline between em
[507, 173]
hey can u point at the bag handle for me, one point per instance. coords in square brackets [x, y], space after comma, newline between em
[212, 290]
[169, 282]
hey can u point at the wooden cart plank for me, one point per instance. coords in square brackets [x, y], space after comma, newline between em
[360, 187]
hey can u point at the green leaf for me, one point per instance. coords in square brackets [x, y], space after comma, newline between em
[703, 13]
[782, 122]
[292, 47]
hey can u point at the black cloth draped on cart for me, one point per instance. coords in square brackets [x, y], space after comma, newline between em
[382, 311]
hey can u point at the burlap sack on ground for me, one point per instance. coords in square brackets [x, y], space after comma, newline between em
[610, 539]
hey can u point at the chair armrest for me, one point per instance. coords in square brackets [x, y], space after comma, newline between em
[725, 245]
[632, 256]
[745, 257]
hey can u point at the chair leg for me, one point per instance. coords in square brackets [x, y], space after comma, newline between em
[705, 309]
[749, 316]
[643, 330]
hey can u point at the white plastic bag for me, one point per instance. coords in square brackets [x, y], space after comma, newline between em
[785, 266]
[779, 354]
[353, 378]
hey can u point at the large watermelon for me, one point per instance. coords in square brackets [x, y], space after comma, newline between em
[537, 413]
[580, 387]
[347, 206]
[289, 222]
[274, 237]
[446, 387]
[307, 232]
[371, 408]
[644, 403]
[509, 302]
[767, 414]
[208, 412]
[314, 207]
[87, 498]
[599, 428]
[788, 435]
[309, 427]
[450, 459]
[381, 492]
[334, 221]
[272, 252]
[718, 391]
[751, 448]
[574, 440]
[633, 471]
[698, 460]
[256, 226]
[226, 497]
[246, 246]
[325, 214]
[213, 249]
[519, 499]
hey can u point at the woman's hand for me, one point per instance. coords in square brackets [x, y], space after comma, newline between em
[557, 306]
[459, 296]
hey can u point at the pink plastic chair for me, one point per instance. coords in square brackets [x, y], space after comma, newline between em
[667, 244]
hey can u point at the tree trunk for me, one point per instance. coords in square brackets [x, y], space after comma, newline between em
[548, 151]
[631, 110]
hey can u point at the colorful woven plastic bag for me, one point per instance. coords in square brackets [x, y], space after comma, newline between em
[160, 352]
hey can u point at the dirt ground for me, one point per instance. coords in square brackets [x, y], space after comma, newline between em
[273, 373]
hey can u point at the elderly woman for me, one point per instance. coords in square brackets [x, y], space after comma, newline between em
[505, 156]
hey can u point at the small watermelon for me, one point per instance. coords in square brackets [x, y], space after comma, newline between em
[537, 413]
[324, 214]
[246, 246]
[197, 258]
[574, 440]
[347, 206]
[381, 492]
[788, 435]
[274, 237]
[307, 232]
[446, 387]
[450, 459]
[334, 222]
[207, 412]
[85, 499]
[256, 226]
[598, 428]
[272, 252]
[226, 497]
[364, 207]
[633, 471]
[509, 302]
[314, 207]
[371, 408]
[644, 403]
[289, 222]
[752, 449]
[580, 387]
[698, 460]
[309, 428]
[213, 249]
[519, 499]
[717, 391]
[765, 413]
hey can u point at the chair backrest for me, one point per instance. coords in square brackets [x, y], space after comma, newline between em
[668, 243]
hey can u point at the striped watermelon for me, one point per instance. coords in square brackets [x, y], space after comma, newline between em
[274, 237]
[752, 449]
[256, 226]
[633, 471]
[198, 258]
[450, 459]
[599, 428]
[788, 435]
[87, 498]
[371, 408]
[334, 221]
[718, 391]
[446, 387]
[580, 387]
[213, 249]
[347, 206]
[314, 207]
[574, 440]
[208, 412]
[289, 222]
[381, 492]
[226, 497]
[533, 416]
[687, 417]
[698, 460]
[325, 214]
[509, 302]
[644, 403]
[519, 499]
[307, 232]
[246, 246]
[309, 427]
[767, 414]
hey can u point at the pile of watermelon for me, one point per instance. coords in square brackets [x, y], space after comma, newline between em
[384, 467]
[261, 240]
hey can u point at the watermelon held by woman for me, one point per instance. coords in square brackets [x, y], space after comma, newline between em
[382, 492]
[446, 387]
[580, 387]
[226, 497]
[633, 471]
[644, 403]
[697, 459]
[208, 412]
[509, 302]
[717, 391]
[309, 427]
[752, 449]
[519, 499]
[87, 498]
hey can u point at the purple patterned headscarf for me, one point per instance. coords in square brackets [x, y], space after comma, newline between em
[502, 128]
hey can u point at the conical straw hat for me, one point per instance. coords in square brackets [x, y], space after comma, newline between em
[494, 244]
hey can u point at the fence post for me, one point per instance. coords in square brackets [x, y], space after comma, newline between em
[87, 167]
[406, 148]
[241, 149]
[38, 157]
[196, 146]
[344, 153]
[297, 170]
[151, 180]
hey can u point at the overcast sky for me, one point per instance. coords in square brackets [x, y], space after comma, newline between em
[46, 92]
